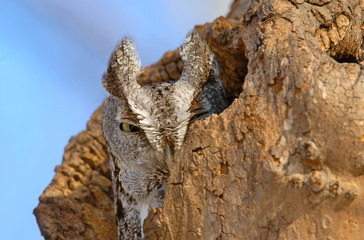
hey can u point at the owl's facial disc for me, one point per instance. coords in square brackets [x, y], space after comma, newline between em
[165, 126]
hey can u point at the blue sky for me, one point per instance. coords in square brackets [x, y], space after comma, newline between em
[52, 56]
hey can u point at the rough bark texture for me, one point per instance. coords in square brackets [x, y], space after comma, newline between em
[284, 161]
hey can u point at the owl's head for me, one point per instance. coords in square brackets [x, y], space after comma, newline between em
[160, 111]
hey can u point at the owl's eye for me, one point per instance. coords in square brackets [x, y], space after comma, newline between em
[199, 116]
[126, 127]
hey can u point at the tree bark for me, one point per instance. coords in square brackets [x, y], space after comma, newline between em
[284, 161]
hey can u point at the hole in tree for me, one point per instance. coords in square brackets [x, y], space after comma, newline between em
[347, 58]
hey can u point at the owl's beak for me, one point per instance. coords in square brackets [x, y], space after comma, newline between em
[169, 155]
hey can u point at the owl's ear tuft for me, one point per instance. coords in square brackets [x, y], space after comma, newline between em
[110, 86]
[215, 70]
[197, 59]
[123, 69]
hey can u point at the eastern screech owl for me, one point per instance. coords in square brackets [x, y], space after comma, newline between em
[144, 126]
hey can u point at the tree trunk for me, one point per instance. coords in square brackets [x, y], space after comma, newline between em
[284, 161]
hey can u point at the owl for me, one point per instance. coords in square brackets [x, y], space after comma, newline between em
[145, 126]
